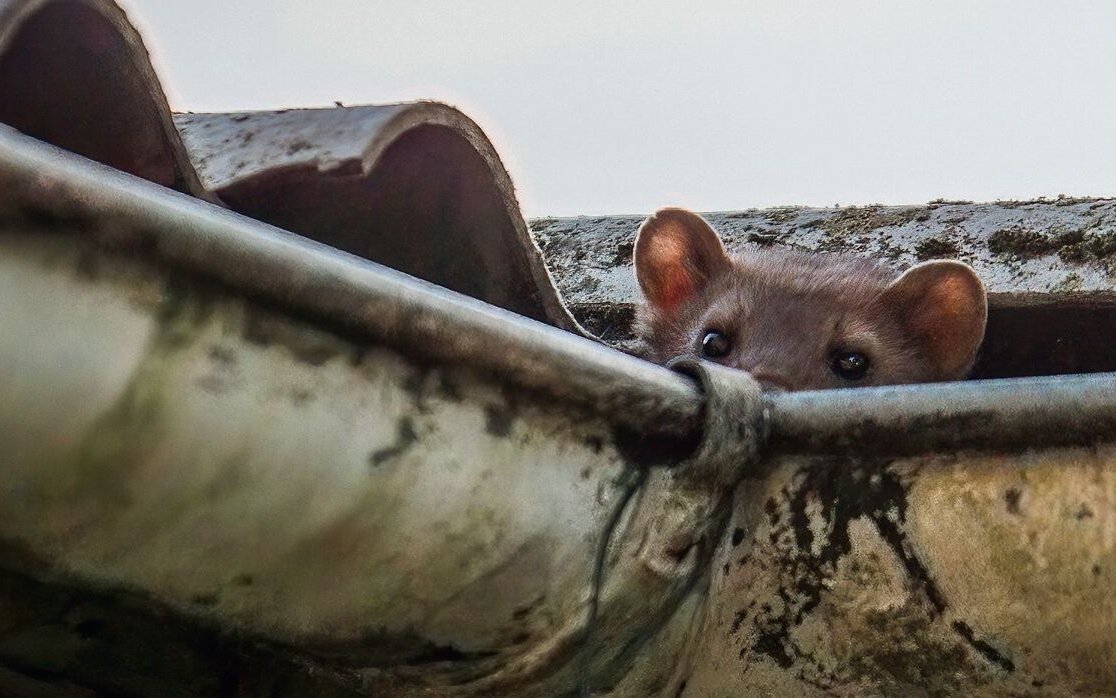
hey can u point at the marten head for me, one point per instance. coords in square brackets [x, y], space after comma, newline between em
[803, 321]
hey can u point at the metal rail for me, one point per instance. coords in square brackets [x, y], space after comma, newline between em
[1005, 414]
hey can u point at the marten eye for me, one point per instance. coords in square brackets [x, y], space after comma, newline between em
[715, 345]
[850, 365]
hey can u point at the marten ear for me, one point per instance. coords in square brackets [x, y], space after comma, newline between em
[943, 305]
[676, 254]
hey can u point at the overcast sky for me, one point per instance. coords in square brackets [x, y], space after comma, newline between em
[600, 107]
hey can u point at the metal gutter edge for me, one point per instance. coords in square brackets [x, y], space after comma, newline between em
[436, 324]
[401, 311]
[1002, 414]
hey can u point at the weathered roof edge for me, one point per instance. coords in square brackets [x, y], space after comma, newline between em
[294, 150]
[84, 80]
[1026, 251]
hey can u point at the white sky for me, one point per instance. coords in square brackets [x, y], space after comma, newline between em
[601, 107]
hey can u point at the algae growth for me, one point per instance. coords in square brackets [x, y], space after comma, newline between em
[1087, 244]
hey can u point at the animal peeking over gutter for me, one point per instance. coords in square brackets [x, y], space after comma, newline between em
[801, 320]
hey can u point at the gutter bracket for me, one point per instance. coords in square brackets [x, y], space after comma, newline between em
[734, 419]
[664, 551]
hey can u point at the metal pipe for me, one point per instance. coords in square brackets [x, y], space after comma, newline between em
[1003, 414]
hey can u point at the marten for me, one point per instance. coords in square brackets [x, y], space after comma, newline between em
[801, 320]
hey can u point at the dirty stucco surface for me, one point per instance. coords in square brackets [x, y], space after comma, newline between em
[1064, 247]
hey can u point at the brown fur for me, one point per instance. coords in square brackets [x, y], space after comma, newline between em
[787, 313]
